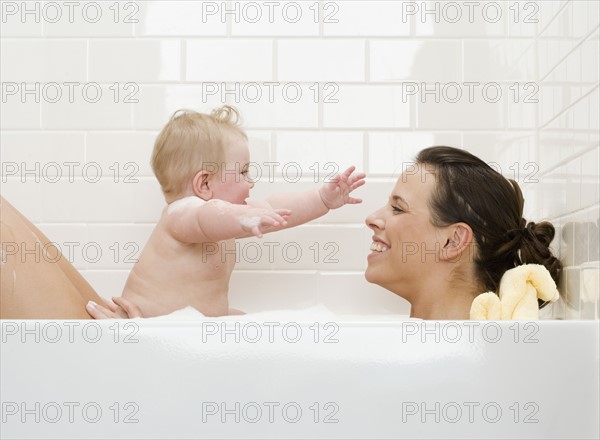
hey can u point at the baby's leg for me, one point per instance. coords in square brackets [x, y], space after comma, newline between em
[236, 312]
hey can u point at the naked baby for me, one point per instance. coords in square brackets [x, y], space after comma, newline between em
[194, 159]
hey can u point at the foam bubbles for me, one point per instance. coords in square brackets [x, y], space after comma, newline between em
[250, 222]
[185, 204]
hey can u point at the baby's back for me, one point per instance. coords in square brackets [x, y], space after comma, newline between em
[171, 275]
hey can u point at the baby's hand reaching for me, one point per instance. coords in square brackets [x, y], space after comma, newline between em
[257, 220]
[336, 193]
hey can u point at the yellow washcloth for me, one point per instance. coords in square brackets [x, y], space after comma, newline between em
[519, 290]
[486, 307]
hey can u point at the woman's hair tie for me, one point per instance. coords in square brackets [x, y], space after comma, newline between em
[526, 229]
[527, 232]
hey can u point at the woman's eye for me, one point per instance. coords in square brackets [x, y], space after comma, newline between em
[245, 172]
[396, 209]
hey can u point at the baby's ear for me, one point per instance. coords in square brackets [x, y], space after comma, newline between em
[200, 185]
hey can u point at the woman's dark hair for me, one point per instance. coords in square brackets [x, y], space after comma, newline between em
[469, 190]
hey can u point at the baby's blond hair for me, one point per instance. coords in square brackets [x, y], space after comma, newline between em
[191, 142]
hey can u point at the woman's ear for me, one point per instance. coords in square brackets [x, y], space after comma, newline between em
[458, 241]
[200, 185]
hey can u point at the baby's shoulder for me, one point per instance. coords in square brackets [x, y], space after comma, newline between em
[184, 204]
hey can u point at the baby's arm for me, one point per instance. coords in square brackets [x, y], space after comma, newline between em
[312, 204]
[218, 220]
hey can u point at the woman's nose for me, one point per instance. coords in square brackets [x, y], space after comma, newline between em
[375, 220]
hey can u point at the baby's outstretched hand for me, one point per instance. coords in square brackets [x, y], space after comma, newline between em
[336, 192]
[256, 220]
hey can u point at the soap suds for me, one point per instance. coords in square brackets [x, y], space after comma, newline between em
[185, 204]
[250, 222]
[219, 202]
[222, 206]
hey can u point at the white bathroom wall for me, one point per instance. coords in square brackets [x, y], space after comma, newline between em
[568, 152]
[321, 85]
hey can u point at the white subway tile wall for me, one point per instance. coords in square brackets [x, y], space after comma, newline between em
[567, 185]
[86, 86]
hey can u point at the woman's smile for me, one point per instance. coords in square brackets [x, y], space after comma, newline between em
[378, 247]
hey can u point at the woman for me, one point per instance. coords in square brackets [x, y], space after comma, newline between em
[36, 281]
[450, 230]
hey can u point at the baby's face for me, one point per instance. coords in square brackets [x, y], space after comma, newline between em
[232, 183]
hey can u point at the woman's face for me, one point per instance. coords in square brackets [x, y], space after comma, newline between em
[405, 243]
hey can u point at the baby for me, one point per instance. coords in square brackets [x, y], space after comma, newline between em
[201, 162]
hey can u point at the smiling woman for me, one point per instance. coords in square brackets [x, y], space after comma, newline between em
[451, 229]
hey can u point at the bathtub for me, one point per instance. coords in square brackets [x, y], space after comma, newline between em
[256, 377]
